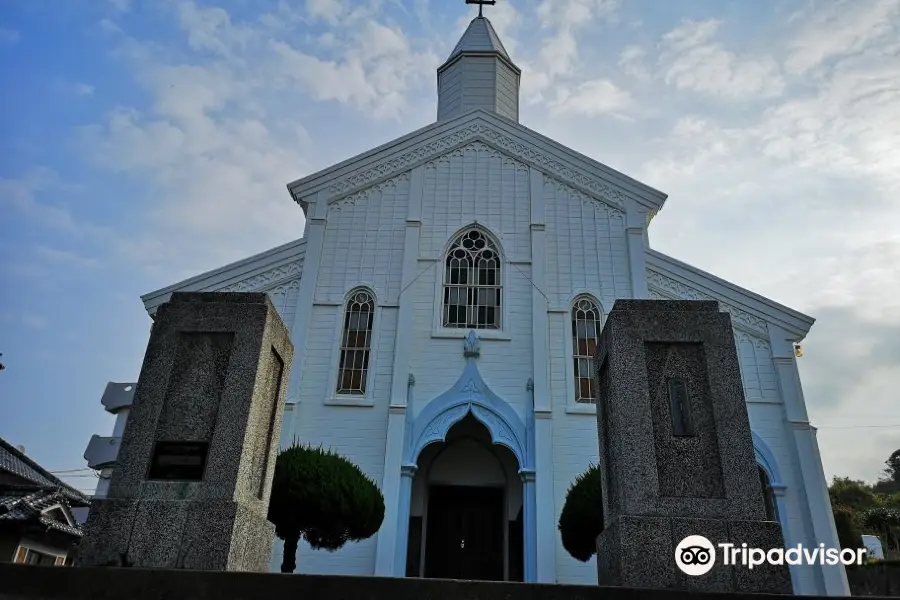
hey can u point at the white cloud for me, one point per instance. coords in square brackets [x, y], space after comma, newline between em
[66, 258]
[376, 72]
[557, 54]
[83, 89]
[77, 88]
[211, 29]
[35, 321]
[691, 60]
[849, 125]
[839, 28]
[592, 98]
[9, 36]
[120, 5]
[574, 13]
[222, 135]
[632, 62]
[328, 10]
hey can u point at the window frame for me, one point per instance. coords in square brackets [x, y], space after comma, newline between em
[573, 333]
[439, 330]
[367, 398]
[572, 405]
[27, 549]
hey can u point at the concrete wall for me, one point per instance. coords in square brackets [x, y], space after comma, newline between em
[48, 583]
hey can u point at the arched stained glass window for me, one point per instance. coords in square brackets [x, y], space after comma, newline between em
[472, 283]
[586, 328]
[356, 343]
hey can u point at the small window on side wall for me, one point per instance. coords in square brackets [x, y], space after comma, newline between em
[356, 344]
[586, 328]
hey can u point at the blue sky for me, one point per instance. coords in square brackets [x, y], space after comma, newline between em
[144, 142]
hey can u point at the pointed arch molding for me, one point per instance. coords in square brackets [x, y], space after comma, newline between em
[766, 460]
[470, 394]
[480, 131]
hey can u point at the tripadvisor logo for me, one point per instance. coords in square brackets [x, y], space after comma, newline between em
[695, 555]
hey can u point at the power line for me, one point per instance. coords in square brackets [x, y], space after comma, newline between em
[65, 471]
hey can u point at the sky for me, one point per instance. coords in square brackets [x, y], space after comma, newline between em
[147, 141]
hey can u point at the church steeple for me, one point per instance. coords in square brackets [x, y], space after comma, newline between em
[478, 74]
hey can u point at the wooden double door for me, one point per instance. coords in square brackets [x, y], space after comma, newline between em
[465, 533]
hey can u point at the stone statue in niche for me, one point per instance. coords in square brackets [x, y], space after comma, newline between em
[471, 345]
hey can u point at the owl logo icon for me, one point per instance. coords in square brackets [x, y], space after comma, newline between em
[695, 555]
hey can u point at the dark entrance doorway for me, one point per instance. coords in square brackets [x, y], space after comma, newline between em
[464, 537]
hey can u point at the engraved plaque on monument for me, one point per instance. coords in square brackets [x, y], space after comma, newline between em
[178, 461]
[195, 467]
[676, 452]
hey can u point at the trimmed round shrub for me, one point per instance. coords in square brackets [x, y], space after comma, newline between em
[581, 519]
[323, 498]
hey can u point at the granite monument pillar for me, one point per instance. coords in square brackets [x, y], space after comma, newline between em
[676, 452]
[194, 472]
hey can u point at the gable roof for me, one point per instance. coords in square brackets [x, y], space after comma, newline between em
[255, 273]
[402, 154]
[480, 38]
[16, 463]
[37, 507]
[748, 309]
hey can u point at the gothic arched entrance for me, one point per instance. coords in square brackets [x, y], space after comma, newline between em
[467, 495]
[467, 482]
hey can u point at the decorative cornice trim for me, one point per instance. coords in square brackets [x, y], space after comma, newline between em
[287, 274]
[479, 132]
[476, 146]
[666, 288]
[353, 199]
[612, 211]
[758, 342]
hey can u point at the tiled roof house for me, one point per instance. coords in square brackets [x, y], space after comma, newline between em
[37, 524]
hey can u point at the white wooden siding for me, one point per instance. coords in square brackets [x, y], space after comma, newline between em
[586, 246]
[476, 183]
[358, 433]
[363, 242]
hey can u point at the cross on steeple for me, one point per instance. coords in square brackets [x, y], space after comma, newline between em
[481, 4]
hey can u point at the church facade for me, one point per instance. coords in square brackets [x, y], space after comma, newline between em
[444, 302]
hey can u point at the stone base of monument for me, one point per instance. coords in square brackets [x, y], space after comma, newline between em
[194, 472]
[215, 535]
[639, 552]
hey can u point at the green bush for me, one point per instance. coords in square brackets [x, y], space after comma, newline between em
[323, 498]
[884, 522]
[848, 532]
[581, 519]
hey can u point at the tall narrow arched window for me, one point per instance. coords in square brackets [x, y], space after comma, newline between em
[472, 283]
[768, 495]
[585, 335]
[356, 343]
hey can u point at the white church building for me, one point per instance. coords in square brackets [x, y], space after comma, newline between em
[444, 302]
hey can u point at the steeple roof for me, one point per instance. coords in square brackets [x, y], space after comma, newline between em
[478, 74]
[479, 37]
